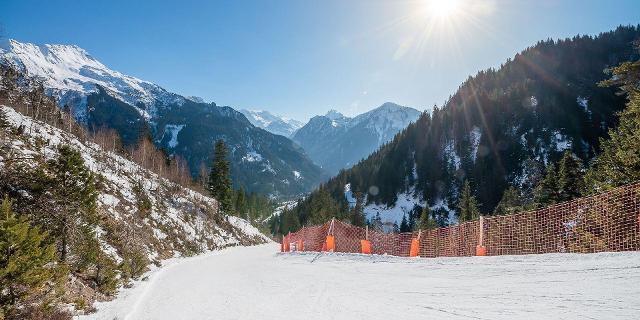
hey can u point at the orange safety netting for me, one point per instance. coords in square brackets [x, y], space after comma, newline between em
[605, 222]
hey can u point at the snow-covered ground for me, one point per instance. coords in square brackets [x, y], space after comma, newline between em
[259, 283]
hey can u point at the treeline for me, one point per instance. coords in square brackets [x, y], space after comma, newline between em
[524, 136]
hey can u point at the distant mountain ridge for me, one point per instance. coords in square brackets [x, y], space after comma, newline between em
[335, 141]
[501, 128]
[100, 97]
[275, 124]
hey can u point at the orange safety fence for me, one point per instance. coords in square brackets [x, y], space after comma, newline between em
[608, 221]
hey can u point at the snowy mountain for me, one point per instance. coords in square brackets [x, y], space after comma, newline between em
[70, 74]
[179, 222]
[275, 124]
[335, 141]
[187, 127]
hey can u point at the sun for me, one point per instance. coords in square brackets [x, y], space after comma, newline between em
[441, 8]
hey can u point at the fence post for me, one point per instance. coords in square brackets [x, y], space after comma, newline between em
[287, 245]
[331, 240]
[480, 248]
[365, 245]
[415, 245]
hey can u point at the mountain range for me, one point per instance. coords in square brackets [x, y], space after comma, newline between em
[336, 142]
[501, 128]
[188, 127]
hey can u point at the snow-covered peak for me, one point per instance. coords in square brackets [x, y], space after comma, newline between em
[390, 110]
[334, 115]
[387, 119]
[336, 142]
[196, 99]
[70, 73]
[272, 123]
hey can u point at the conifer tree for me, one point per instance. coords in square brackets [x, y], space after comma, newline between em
[510, 203]
[426, 221]
[4, 121]
[24, 256]
[619, 162]
[404, 225]
[467, 204]
[570, 177]
[357, 213]
[253, 204]
[412, 218]
[546, 193]
[376, 222]
[220, 179]
[241, 203]
[322, 207]
[289, 221]
[73, 204]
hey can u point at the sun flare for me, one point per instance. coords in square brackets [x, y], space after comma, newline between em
[441, 8]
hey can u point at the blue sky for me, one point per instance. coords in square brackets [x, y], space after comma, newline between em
[300, 58]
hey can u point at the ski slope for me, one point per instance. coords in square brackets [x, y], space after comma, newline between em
[259, 283]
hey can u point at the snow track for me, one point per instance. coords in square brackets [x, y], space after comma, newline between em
[258, 283]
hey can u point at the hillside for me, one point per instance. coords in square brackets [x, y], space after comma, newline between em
[141, 218]
[103, 98]
[336, 142]
[500, 129]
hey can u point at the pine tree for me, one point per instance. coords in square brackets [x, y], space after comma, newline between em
[510, 203]
[546, 193]
[619, 162]
[412, 218]
[357, 213]
[426, 221]
[467, 204]
[220, 178]
[289, 220]
[570, 177]
[404, 225]
[73, 202]
[4, 121]
[376, 222]
[253, 204]
[323, 207]
[24, 257]
[241, 204]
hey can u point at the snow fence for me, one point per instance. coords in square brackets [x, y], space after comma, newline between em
[608, 221]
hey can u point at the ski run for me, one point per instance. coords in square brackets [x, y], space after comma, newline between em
[261, 283]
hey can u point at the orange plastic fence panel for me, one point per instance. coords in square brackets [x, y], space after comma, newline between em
[415, 244]
[300, 245]
[557, 228]
[365, 246]
[282, 246]
[331, 243]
